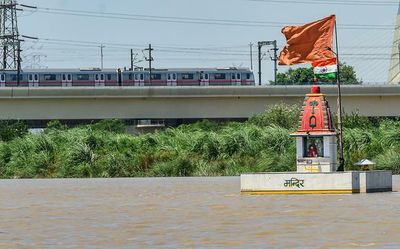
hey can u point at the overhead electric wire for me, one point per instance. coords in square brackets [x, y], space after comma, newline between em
[327, 2]
[192, 50]
[193, 20]
[90, 44]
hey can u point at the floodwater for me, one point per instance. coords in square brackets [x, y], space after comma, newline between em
[189, 213]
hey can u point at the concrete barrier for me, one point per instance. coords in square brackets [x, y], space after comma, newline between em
[375, 181]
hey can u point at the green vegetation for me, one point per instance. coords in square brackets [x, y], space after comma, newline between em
[202, 149]
[305, 76]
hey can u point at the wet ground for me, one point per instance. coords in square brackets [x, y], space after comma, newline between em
[189, 213]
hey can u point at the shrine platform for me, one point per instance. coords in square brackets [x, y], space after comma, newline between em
[350, 182]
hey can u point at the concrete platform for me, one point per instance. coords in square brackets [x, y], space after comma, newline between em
[316, 183]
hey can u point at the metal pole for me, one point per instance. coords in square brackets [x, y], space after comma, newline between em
[275, 60]
[340, 124]
[102, 56]
[131, 59]
[5, 57]
[150, 60]
[19, 63]
[259, 63]
[251, 56]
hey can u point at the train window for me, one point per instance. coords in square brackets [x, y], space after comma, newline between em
[169, 76]
[69, 77]
[2, 78]
[64, 78]
[97, 77]
[136, 76]
[82, 77]
[233, 76]
[130, 76]
[141, 77]
[49, 77]
[206, 76]
[101, 76]
[156, 76]
[187, 76]
[30, 77]
[248, 76]
[238, 76]
[108, 76]
[219, 76]
[13, 77]
[36, 77]
[174, 76]
[201, 76]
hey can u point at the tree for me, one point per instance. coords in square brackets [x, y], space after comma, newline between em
[305, 76]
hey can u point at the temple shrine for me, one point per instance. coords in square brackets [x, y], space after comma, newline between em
[316, 160]
[316, 137]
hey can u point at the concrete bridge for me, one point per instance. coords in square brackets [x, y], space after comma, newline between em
[181, 103]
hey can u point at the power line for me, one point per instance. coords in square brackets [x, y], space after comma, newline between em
[323, 2]
[192, 20]
[189, 50]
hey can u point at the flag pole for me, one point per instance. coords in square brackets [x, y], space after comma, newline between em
[339, 104]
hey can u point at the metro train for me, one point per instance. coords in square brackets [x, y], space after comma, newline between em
[137, 77]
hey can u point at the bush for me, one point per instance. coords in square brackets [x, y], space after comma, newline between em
[56, 125]
[109, 125]
[281, 115]
[10, 130]
[354, 120]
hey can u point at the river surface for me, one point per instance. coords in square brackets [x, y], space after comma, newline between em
[189, 213]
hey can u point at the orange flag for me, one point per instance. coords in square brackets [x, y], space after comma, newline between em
[309, 42]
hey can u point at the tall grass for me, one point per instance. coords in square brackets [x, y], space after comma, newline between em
[202, 149]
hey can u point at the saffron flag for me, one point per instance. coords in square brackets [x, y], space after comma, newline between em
[309, 42]
[325, 69]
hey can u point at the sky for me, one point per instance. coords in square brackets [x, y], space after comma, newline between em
[193, 33]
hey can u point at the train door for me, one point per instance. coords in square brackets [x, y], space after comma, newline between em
[238, 79]
[102, 80]
[33, 80]
[204, 79]
[235, 79]
[66, 80]
[139, 79]
[2, 80]
[69, 79]
[30, 80]
[36, 80]
[99, 79]
[171, 79]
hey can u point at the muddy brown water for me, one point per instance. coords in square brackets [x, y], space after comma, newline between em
[189, 213]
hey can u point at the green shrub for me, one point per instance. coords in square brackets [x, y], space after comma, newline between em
[10, 130]
[281, 115]
[109, 125]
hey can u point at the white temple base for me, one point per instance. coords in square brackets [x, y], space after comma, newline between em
[317, 183]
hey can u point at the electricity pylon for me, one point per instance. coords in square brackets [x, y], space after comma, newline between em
[10, 44]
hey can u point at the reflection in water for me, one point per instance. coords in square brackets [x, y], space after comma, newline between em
[188, 213]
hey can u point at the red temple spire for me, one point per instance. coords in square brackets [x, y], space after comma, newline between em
[316, 117]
